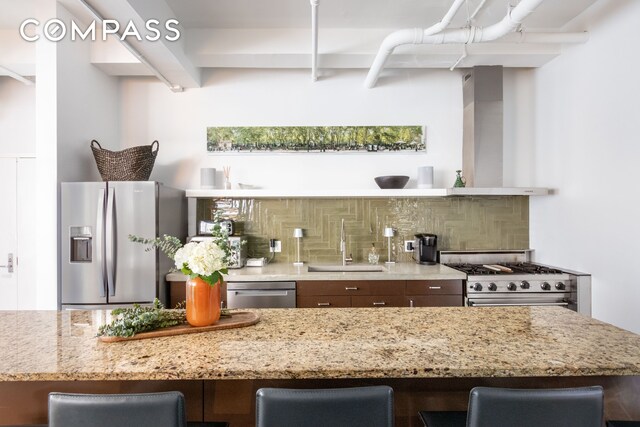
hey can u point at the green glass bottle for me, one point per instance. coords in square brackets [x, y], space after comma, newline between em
[460, 181]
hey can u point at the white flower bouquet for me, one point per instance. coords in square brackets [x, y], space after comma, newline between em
[206, 260]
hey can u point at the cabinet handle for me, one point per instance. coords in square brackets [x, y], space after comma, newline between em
[324, 304]
[435, 287]
[379, 303]
[351, 288]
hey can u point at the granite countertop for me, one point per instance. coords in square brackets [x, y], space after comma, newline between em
[315, 343]
[398, 271]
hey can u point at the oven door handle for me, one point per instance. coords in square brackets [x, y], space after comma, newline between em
[488, 304]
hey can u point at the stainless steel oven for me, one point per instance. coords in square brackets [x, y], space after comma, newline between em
[508, 278]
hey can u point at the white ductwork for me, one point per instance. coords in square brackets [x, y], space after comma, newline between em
[508, 24]
[408, 36]
[314, 39]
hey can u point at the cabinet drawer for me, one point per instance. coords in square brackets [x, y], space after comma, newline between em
[333, 287]
[386, 287]
[434, 287]
[316, 301]
[378, 301]
[434, 301]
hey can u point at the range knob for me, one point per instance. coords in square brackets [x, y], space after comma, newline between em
[493, 287]
[477, 287]
[560, 286]
[545, 286]
[512, 286]
[524, 284]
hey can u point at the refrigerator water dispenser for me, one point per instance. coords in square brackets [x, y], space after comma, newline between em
[81, 239]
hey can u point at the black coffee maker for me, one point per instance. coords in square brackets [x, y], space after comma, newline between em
[425, 249]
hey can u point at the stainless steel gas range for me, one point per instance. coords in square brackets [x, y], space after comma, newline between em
[509, 278]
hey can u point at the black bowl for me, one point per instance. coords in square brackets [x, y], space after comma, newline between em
[391, 181]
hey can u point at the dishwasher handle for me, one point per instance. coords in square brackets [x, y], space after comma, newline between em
[260, 286]
[261, 293]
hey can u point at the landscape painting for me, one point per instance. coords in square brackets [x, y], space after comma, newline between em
[316, 139]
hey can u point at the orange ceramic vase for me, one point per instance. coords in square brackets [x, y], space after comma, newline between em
[203, 302]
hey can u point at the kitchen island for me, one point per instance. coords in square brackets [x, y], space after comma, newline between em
[431, 356]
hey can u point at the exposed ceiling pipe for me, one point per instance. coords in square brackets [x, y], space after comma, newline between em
[134, 52]
[475, 12]
[509, 23]
[400, 37]
[16, 76]
[314, 39]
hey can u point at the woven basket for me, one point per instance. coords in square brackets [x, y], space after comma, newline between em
[131, 164]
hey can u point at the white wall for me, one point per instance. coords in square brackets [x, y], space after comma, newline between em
[17, 117]
[88, 108]
[233, 97]
[587, 146]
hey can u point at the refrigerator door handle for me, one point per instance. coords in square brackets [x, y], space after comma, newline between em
[110, 241]
[100, 242]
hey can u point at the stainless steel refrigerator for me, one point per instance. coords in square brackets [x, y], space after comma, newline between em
[100, 267]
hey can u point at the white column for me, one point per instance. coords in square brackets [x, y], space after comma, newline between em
[46, 277]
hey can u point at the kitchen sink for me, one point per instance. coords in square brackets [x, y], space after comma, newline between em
[346, 268]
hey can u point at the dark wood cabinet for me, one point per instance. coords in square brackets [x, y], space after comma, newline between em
[323, 301]
[379, 293]
[434, 293]
[333, 287]
[378, 301]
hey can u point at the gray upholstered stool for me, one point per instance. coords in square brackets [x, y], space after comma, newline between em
[502, 407]
[338, 407]
[107, 410]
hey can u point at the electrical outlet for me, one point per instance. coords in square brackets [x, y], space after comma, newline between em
[276, 247]
[408, 245]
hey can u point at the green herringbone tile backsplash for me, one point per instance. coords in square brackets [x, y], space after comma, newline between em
[461, 223]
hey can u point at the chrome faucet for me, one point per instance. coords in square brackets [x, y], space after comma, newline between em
[343, 246]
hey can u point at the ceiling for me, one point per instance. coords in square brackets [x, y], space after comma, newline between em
[276, 34]
[14, 12]
[552, 14]
[237, 14]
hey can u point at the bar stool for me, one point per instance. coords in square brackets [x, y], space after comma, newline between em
[339, 407]
[107, 410]
[502, 407]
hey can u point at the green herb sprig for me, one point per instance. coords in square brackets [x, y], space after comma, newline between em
[131, 321]
[167, 244]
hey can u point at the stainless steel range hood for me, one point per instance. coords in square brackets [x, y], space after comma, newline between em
[482, 127]
[482, 145]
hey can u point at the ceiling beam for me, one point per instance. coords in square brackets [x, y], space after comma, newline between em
[15, 76]
[348, 48]
[166, 59]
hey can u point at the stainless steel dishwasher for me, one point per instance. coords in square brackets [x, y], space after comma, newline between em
[261, 294]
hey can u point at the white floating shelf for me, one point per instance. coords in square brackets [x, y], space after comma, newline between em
[498, 191]
[369, 193]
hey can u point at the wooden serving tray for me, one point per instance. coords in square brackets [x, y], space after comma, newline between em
[238, 319]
